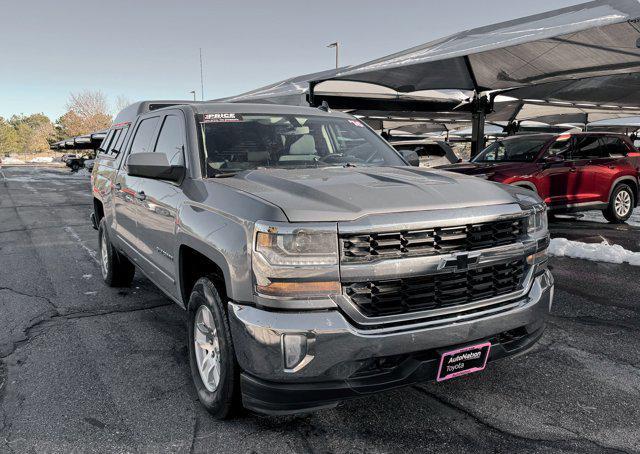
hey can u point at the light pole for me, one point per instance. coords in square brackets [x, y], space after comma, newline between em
[193, 92]
[201, 77]
[337, 46]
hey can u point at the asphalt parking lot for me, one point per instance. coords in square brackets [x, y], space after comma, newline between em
[87, 368]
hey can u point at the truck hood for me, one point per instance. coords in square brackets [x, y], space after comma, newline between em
[346, 194]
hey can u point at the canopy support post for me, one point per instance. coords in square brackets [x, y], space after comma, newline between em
[310, 95]
[477, 132]
[482, 106]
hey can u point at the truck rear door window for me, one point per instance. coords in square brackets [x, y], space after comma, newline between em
[104, 146]
[116, 135]
[117, 147]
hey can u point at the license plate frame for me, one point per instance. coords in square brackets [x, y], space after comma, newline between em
[460, 356]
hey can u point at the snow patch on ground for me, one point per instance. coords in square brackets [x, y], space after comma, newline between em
[11, 161]
[596, 252]
[41, 159]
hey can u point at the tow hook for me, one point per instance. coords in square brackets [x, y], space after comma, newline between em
[94, 224]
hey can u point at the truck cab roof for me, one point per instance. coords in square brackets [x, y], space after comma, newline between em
[129, 113]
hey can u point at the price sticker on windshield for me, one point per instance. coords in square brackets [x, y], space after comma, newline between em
[221, 117]
[356, 123]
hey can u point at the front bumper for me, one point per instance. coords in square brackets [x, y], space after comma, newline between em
[344, 361]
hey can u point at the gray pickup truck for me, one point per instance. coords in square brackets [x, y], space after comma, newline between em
[315, 263]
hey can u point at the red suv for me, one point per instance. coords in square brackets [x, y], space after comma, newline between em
[571, 172]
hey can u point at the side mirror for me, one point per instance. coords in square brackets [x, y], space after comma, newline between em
[411, 157]
[155, 165]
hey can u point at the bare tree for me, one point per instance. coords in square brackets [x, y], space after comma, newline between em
[88, 103]
[87, 111]
[121, 102]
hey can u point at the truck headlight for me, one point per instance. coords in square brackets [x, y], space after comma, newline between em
[296, 262]
[538, 227]
[302, 247]
[537, 220]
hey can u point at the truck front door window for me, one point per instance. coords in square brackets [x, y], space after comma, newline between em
[144, 134]
[170, 140]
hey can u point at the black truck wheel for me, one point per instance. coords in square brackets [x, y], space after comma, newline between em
[117, 270]
[214, 370]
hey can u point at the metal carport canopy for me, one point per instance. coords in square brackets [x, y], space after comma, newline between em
[348, 95]
[83, 142]
[292, 91]
[544, 52]
[513, 110]
[629, 124]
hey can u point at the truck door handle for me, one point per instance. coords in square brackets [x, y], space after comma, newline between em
[572, 169]
[141, 195]
[117, 186]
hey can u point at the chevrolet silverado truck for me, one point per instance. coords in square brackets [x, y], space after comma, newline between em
[315, 264]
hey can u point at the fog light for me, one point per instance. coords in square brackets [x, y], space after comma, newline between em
[294, 349]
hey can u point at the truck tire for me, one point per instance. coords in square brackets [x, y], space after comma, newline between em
[214, 370]
[75, 167]
[621, 204]
[117, 270]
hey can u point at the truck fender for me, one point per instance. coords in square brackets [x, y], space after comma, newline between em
[220, 238]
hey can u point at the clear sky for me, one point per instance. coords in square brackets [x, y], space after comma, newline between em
[148, 49]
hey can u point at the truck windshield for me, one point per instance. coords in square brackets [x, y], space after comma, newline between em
[233, 142]
[519, 149]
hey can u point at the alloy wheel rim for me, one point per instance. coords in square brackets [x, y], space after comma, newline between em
[104, 262]
[207, 348]
[622, 203]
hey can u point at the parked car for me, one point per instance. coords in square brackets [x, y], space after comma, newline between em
[432, 153]
[75, 162]
[315, 269]
[570, 172]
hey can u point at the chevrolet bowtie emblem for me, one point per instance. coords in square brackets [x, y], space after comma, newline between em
[460, 261]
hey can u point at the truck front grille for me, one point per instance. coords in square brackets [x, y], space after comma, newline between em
[422, 293]
[436, 241]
